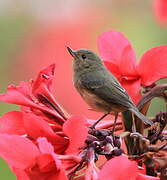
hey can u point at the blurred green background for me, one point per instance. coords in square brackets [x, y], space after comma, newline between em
[22, 24]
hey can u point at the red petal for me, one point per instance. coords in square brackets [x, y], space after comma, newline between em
[20, 173]
[77, 132]
[17, 151]
[153, 65]
[18, 95]
[44, 79]
[115, 48]
[41, 88]
[133, 87]
[145, 177]
[44, 146]
[160, 10]
[59, 176]
[119, 168]
[37, 127]
[21, 95]
[47, 148]
[12, 123]
[46, 163]
[113, 68]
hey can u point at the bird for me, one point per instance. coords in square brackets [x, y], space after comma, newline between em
[98, 87]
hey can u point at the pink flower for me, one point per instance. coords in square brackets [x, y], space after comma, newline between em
[119, 57]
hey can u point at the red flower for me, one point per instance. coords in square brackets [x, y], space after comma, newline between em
[29, 161]
[120, 168]
[119, 57]
[160, 11]
[36, 96]
[28, 124]
[41, 116]
[21, 123]
[32, 128]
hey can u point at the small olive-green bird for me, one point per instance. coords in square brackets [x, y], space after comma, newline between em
[98, 86]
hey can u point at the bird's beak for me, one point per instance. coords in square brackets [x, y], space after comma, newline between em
[72, 52]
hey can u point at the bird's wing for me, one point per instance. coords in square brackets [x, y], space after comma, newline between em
[106, 88]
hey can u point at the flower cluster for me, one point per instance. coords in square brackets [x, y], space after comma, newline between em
[119, 57]
[42, 141]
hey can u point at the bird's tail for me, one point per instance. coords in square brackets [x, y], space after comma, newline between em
[141, 116]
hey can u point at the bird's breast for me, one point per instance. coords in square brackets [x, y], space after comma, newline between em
[92, 100]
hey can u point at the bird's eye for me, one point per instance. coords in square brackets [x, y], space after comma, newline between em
[83, 56]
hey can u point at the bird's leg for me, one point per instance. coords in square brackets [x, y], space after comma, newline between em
[116, 116]
[93, 126]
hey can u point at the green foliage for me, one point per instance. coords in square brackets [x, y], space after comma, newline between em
[5, 172]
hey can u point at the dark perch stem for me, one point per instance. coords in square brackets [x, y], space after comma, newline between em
[128, 123]
[157, 91]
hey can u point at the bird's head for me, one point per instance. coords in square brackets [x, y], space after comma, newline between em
[84, 58]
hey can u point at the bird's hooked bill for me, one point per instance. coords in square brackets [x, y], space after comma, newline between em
[72, 52]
